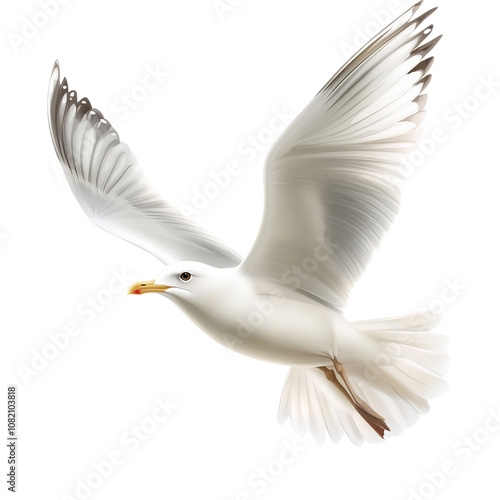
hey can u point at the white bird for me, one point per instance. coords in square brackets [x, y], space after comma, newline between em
[330, 196]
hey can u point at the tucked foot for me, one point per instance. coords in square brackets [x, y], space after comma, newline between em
[336, 376]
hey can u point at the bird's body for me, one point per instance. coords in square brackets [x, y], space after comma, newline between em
[266, 321]
[332, 191]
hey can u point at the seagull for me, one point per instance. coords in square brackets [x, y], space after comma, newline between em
[332, 190]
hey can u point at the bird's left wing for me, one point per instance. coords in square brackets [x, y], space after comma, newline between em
[112, 189]
[329, 195]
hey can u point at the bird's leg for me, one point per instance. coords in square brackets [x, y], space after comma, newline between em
[339, 368]
[373, 419]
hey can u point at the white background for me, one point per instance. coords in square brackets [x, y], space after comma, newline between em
[225, 78]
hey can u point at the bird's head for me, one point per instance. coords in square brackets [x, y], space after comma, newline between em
[181, 280]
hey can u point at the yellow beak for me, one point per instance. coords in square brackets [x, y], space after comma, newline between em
[146, 287]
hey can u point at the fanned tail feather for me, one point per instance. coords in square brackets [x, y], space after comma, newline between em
[397, 386]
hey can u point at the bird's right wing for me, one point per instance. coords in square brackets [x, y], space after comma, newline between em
[112, 189]
[330, 190]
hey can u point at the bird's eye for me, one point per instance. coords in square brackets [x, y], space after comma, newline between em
[185, 276]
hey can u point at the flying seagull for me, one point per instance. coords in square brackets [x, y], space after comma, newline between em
[331, 193]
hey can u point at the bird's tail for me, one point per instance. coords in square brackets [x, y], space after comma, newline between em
[395, 386]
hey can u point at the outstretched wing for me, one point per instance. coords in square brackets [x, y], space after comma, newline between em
[112, 189]
[330, 190]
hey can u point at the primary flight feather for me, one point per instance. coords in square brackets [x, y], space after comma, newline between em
[331, 193]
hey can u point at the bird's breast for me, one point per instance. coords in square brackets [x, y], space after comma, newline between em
[271, 327]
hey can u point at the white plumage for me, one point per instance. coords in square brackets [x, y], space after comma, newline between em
[332, 191]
